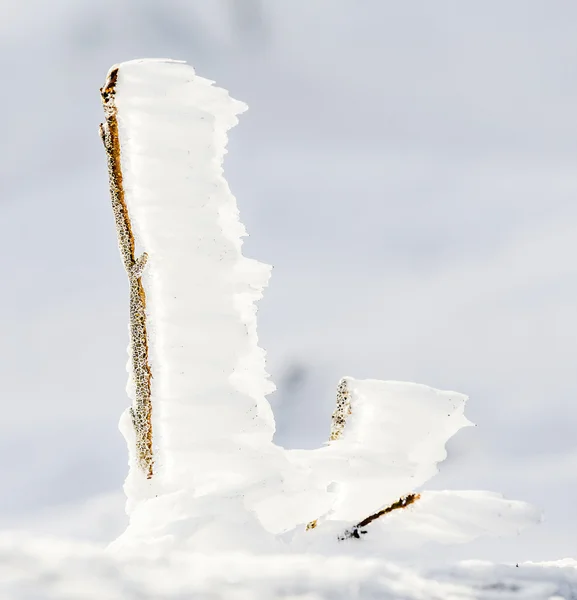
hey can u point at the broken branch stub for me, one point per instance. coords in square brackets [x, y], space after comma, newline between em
[359, 529]
[339, 420]
[342, 411]
[141, 410]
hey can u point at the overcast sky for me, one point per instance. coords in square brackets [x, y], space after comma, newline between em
[407, 167]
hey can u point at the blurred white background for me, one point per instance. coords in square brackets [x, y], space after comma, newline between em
[407, 167]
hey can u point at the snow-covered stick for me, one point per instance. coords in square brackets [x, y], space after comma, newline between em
[166, 134]
[220, 483]
[141, 375]
[359, 528]
[339, 419]
[342, 411]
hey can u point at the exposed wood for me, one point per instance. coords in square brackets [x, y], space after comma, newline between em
[339, 420]
[342, 411]
[141, 410]
[359, 529]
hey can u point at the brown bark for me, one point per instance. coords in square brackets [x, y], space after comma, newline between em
[359, 528]
[339, 420]
[141, 411]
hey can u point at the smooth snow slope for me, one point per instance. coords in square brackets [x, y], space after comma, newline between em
[48, 569]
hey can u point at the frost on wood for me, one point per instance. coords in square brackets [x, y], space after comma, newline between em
[212, 424]
[359, 528]
[141, 412]
[339, 419]
[394, 437]
[342, 411]
[219, 480]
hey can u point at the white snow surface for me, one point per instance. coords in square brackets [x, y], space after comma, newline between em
[220, 483]
[56, 569]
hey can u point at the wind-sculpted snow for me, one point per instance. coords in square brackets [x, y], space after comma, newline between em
[390, 443]
[219, 483]
[208, 378]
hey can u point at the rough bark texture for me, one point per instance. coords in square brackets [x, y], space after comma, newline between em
[339, 420]
[359, 528]
[141, 411]
[342, 411]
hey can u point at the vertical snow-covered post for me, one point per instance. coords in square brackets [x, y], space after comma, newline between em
[197, 375]
[141, 411]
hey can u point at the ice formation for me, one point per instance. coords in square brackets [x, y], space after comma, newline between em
[205, 473]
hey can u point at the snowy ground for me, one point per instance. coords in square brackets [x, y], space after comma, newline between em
[35, 568]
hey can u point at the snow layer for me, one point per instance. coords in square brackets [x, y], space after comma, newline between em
[56, 569]
[209, 382]
[391, 443]
[219, 483]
